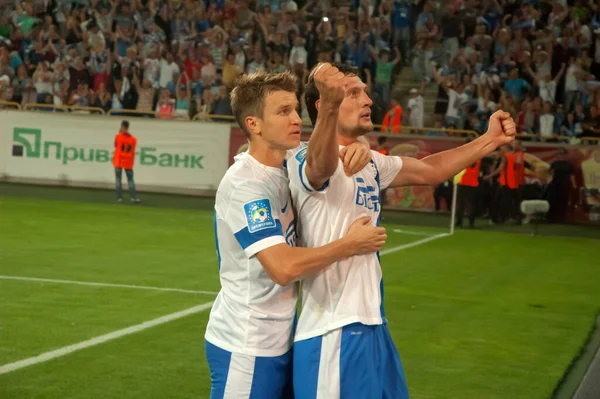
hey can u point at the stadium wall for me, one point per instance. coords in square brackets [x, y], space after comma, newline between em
[62, 149]
[187, 157]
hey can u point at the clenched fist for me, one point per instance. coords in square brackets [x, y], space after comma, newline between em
[502, 128]
[331, 84]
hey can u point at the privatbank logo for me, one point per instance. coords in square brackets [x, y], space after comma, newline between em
[27, 142]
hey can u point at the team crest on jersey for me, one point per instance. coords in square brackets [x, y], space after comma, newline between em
[259, 215]
[301, 155]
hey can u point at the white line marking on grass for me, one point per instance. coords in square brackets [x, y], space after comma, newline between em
[93, 284]
[44, 357]
[412, 233]
[412, 244]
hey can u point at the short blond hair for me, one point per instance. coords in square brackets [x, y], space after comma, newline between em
[250, 91]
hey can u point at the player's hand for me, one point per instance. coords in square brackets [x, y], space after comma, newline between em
[365, 239]
[331, 84]
[502, 128]
[355, 157]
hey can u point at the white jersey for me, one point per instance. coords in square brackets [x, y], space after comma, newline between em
[252, 315]
[348, 291]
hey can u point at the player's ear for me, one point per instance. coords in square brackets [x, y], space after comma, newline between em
[253, 124]
[317, 103]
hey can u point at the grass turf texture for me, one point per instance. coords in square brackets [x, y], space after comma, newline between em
[500, 319]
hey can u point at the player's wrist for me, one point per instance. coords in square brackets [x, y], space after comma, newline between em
[329, 108]
[488, 144]
[347, 246]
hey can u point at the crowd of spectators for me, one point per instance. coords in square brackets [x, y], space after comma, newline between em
[537, 59]
[181, 57]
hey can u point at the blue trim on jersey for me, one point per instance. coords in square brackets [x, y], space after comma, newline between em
[217, 239]
[300, 167]
[307, 186]
[245, 238]
[377, 179]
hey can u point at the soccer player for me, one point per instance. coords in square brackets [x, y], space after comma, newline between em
[250, 330]
[123, 158]
[342, 345]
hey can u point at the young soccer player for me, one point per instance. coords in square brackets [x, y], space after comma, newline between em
[342, 345]
[250, 330]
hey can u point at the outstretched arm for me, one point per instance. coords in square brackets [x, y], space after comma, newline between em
[437, 168]
[322, 154]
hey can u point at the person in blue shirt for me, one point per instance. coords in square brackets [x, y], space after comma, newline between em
[401, 27]
[515, 85]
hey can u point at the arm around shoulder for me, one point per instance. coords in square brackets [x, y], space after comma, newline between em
[285, 264]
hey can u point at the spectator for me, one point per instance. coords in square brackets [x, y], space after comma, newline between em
[392, 122]
[221, 104]
[383, 73]
[424, 45]
[183, 99]
[168, 68]
[42, 81]
[514, 85]
[415, 109]
[559, 186]
[572, 129]
[546, 85]
[546, 123]
[452, 30]
[257, 64]
[165, 105]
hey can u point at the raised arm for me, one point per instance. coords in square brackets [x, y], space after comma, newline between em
[322, 154]
[439, 167]
[398, 56]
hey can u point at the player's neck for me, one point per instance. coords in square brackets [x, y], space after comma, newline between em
[266, 155]
[344, 141]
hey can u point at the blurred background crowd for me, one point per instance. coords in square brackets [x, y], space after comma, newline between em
[537, 59]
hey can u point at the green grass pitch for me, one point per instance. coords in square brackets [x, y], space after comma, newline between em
[474, 315]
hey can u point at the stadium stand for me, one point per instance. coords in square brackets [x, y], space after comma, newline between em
[180, 58]
[177, 59]
[539, 60]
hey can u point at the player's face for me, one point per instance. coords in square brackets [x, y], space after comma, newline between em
[281, 125]
[355, 110]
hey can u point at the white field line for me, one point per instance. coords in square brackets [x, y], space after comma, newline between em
[94, 284]
[412, 244]
[44, 357]
[412, 233]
